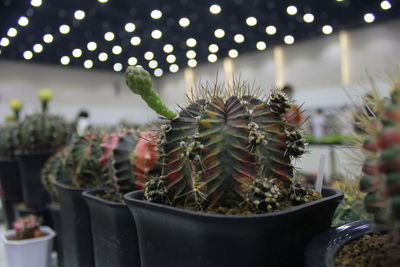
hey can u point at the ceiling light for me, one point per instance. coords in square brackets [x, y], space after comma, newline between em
[27, 55]
[117, 67]
[77, 52]
[158, 72]
[109, 36]
[191, 42]
[173, 68]
[23, 21]
[4, 41]
[261, 45]
[117, 49]
[103, 1]
[135, 40]
[233, 53]
[103, 56]
[215, 9]
[308, 18]
[239, 38]
[149, 55]
[156, 34]
[48, 38]
[291, 10]
[192, 63]
[132, 61]
[79, 14]
[156, 14]
[289, 39]
[385, 5]
[91, 46]
[65, 60]
[12, 32]
[153, 64]
[130, 27]
[88, 64]
[212, 58]
[168, 48]
[251, 21]
[271, 30]
[191, 54]
[219, 33]
[369, 18]
[38, 48]
[36, 3]
[64, 29]
[327, 29]
[213, 48]
[171, 58]
[184, 22]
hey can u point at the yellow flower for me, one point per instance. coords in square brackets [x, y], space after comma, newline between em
[45, 94]
[9, 118]
[15, 104]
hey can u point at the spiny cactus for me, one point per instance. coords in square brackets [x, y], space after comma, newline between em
[55, 169]
[381, 180]
[43, 131]
[26, 227]
[130, 156]
[228, 148]
[8, 140]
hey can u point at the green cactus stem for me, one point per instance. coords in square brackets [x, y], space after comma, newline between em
[139, 81]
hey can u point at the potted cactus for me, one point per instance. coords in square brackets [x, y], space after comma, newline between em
[28, 244]
[127, 157]
[380, 144]
[39, 136]
[9, 170]
[225, 195]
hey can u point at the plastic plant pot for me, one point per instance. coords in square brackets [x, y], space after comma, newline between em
[174, 237]
[114, 232]
[55, 213]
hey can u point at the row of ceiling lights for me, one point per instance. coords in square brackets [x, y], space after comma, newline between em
[157, 34]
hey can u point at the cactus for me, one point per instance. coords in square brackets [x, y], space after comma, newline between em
[54, 169]
[226, 149]
[43, 131]
[381, 145]
[26, 227]
[130, 156]
[8, 140]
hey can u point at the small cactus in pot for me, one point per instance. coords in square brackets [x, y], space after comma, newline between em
[381, 168]
[227, 150]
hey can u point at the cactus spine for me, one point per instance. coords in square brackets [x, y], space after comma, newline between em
[226, 149]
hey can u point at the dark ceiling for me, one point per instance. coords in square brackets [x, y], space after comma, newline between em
[113, 15]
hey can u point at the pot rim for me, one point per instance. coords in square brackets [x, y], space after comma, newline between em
[135, 198]
[8, 159]
[67, 185]
[34, 152]
[50, 235]
[90, 194]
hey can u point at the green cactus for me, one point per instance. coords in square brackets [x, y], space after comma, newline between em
[381, 180]
[226, 149]
[8, 140]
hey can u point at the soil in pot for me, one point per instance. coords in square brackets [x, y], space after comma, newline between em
[373, 250]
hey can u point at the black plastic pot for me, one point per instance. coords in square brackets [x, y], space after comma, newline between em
[9, 215]
[10, 179]
[173, 237]
[115, 240]
[55, 213]
[76, 234]
[31, 163]
[322, 249]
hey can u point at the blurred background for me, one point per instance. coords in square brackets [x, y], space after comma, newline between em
[325, 51]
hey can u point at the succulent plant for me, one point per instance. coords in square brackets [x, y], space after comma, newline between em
[8, 140]
[55, 169]
[130, 155]
[43, 131]
[26, 227]
[381, 145]
[227, 148]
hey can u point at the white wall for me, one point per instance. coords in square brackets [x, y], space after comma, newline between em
[311, 66]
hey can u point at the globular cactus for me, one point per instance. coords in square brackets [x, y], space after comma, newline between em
[42, 131]
[381, 145]
[8, 140]
[26, 227]
[130, 155]
[227, 149]
[55, 169]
